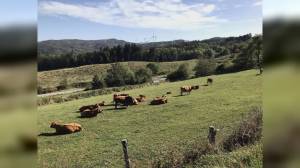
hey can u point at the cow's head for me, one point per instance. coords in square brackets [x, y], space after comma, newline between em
[53, 124]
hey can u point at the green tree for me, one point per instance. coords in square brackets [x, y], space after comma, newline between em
[251, 55]
[129, 77]
[97, 82]
[153, 67]
[143, 75]
[205, 67]
[182, 73]
[209, 53]
[119, 75]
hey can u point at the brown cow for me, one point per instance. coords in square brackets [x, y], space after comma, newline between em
[88, 107]
[159, 100]
[209, 81]
[91, 113]
[188, 89]
[66, 128]
[91, 107]
[121, 94]
[141, 98]
[124, 100]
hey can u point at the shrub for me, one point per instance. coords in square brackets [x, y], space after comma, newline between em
[119, 75]
[40, 90]
[143, 75]
[153, 67]
[129, 77]
[249, 131]
[225, 68]
[98, 83]
[205, 67]
[182, 73]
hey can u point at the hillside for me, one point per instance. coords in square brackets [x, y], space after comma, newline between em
[60, 47]
[152, 131]
[84, 74]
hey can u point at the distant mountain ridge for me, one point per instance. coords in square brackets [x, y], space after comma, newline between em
[73, 53]
[58, 47]
[77, 46]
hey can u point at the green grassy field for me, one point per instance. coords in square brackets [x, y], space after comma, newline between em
[150, 130]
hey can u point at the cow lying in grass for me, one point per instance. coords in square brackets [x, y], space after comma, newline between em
[91, 112]
[141, 98]
[188, 89]
[66, 128]
[159, 100]
[124, 100]
[91, 107]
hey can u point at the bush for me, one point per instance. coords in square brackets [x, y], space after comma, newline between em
[119, 75]
[205, 67]
[129, 77]
[249, 131]
[225, 68]
[182, 73]
[143, 75]
[153, 67]
[40, 90]
[98, 83]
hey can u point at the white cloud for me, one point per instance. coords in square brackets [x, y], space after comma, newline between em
[257, 3]
[160, 14]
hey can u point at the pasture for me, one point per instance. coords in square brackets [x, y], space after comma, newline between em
[151, 131]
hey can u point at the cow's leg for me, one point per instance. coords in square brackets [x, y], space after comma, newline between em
[116, 105]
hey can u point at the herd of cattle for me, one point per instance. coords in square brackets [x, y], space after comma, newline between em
[123, 100]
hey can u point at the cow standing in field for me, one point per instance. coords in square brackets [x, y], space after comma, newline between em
[91, 112]
[188, 89]
[123, 99]
[209, 81]
[66, 128]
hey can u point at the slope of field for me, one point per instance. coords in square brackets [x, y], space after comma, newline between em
[150, 130]
[85, 73]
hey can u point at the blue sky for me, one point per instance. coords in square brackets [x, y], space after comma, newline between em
[18, 12]
[138, 20]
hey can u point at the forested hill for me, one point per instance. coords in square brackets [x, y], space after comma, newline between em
[60, 47]
[73, 53]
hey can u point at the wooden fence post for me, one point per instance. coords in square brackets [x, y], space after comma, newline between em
[125, 150]
[212, 132]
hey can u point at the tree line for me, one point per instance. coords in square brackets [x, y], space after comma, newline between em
[249, 58]
[160, 52]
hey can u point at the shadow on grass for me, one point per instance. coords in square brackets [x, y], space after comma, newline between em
[85, 117]
[50, 134]
[157, 104]
[112, 109]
